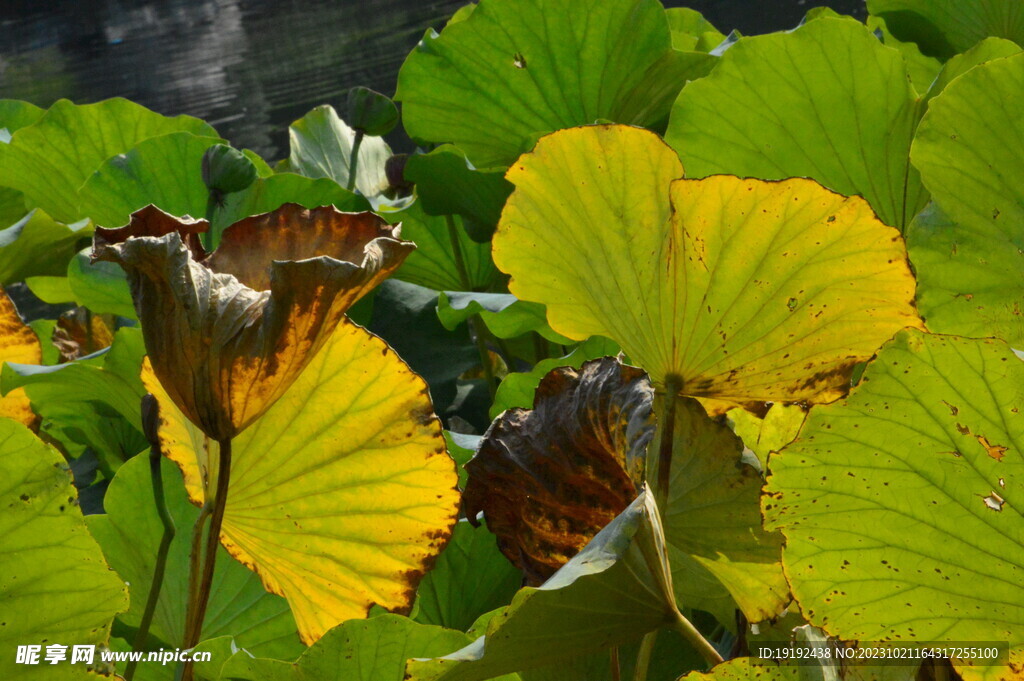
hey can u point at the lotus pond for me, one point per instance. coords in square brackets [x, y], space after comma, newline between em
[670, 354]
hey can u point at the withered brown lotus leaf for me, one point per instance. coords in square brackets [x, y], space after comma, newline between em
[228, 332]
[80, 332]
[548, 479]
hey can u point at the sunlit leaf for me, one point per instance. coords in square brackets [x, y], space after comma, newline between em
[613, 591]
[228, 332]
[321, 146]
[100, 286]
[129, 534]
[691, 31]
[945, 27]
[921, 68]
[987, 50]
[779, 426]
[827, 101]
[968, 253]
[55, 586]
[900, 505]
[163, 171]
[37, 245]
[370, 650]
[492, 82]
[49, 160]
[17, 344]
[470, 577]
[341, 494]
[16, 114]
[747, 290]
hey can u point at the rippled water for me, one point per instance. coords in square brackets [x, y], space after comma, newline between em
[250, 67]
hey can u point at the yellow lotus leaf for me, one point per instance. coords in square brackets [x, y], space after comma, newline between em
[228, 332]
[745, 290]
[18, 344]
[342, 493]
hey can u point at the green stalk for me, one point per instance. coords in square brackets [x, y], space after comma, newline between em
[667, 426]
[643, 656]
[353, 161]
[149, 414]
[696, 639]
[202, 596]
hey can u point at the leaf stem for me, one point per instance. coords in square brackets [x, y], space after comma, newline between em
[696, 639]
[667, 425]
[353, 161]
[616, 668]
[194, 627]
[150, 422]
[643, 656]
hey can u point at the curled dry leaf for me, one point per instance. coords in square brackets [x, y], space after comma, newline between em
[80, 332]
[228, 332]
[548, 479]
[18, 344]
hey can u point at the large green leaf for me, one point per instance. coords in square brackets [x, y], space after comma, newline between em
[38, 245]
[613, 591]
[164, 171]
[747, 290]
[94, 401]
[49, 160]
[513, 70]
[130, 533]
[358, 650]
[471, 577]
[16, 114]
[827, 101]
[945, 27]
[321, 146]
[968, 252]
[55, 586]
[900, 505]
[987, 50]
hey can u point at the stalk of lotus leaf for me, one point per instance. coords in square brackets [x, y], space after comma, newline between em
[673, 386]
[353, 164]
[150, 424]
[201, 597]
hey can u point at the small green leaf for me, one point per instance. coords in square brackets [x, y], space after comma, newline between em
[100, 286]
[505, 315]
[38, 245]
[321, 146]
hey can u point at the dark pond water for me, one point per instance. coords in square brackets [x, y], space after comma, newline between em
[250, 67]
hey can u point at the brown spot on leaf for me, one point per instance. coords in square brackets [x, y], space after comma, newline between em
[997, 452]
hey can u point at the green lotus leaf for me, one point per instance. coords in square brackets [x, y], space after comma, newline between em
[921, 68]
[691, 31]
[49, 160]
[519, 389]
[615, 590]
[434, 263]
[945, 27]
[493, 82]
[129, 534]
[967, 253]
[55, 586]
[447, 184]
[321, 146]
[548, 479]
[763, 435]
[827, 101]
[471, 577]
[505, 315]
[900, 504]
[16, 114]
[164, 171]
[52, 290]
[270, 193]
[718, 551]
[987, 50]
[100, 286]
[746, 290]
[358, 650]
[38, 245]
